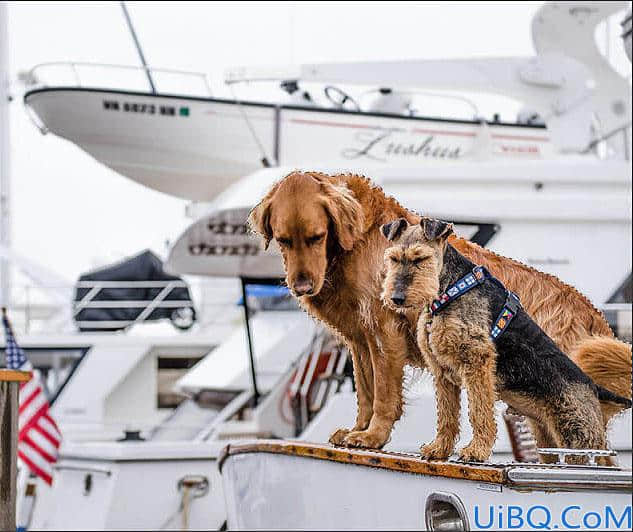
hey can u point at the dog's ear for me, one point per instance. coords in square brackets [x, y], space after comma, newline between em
[436, 229]
[393, 229]
[345, 212]
[259, 217]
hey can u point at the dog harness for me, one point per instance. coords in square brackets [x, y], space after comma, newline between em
[476, 277]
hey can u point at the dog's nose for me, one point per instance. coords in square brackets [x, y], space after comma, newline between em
[398, 299]
[303, 287]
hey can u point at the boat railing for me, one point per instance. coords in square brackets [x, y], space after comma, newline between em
[131, 77]
[41, 308]
[589, 454]
[100, 295]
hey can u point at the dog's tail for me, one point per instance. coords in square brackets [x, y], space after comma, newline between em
[606, 395]
[608, 362]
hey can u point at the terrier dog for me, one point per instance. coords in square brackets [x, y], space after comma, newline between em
[473, 333]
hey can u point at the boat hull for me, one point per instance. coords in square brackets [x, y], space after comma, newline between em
[288, 486]
[195, 147]
[132, 486]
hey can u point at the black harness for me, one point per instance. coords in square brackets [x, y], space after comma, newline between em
[476, 277]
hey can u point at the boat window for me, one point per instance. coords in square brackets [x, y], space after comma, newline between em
[624, 292]
[215, 399]
[269, 297]
[170, 369]
[617, 310]
[54, 366]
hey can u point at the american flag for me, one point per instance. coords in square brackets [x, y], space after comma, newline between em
[38, 435]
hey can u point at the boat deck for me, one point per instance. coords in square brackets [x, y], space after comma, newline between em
[517, 475]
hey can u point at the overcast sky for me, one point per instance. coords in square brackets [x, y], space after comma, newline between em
[70, 213]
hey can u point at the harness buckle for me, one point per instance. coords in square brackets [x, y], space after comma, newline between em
[513, 303]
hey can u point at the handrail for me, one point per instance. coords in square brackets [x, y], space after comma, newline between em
[74, 64]
[131, 284]
[88, 301]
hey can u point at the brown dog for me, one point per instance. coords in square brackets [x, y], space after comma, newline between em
[474, 335]
[328, 230]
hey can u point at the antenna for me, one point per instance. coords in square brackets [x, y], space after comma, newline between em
[138, 47]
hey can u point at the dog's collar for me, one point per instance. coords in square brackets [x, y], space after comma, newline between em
[476, 277]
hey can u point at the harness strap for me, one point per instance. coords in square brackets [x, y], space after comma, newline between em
[507, 314]
[476, 277]
[459, 288]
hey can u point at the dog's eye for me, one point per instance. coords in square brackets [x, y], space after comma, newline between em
[418, 260]
[394, 260]
[285, 242]
[314, 239]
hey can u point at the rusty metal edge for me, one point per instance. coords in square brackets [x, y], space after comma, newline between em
[224, 454]
[494, 474]
[11, 375]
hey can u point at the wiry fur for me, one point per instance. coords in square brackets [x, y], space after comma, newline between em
[347, 287]
[523, 366]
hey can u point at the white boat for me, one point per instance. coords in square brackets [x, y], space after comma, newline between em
[94, 378]
[194, 146]
[299, 486]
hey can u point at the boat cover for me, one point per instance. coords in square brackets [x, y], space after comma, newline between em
[145, 266]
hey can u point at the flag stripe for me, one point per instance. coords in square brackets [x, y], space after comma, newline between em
[46, 476]
[26, 388]
[32, 410]
[27, 394]
[54, 440]
[35, 461]
[49, 426]
[35, 456]
[39, 437]
[41, 444]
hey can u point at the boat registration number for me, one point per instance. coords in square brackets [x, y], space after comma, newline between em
[145, 108]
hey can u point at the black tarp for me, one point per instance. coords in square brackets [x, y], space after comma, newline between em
[145, 266]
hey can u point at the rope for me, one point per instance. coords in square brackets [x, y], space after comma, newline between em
[249, 124]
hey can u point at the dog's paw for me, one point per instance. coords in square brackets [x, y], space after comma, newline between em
[365, 439]
[338, 437]
[434, 451]
[474, 453]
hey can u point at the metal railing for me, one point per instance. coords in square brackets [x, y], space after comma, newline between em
[589, 454]
[96, 288]
[34, 76]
